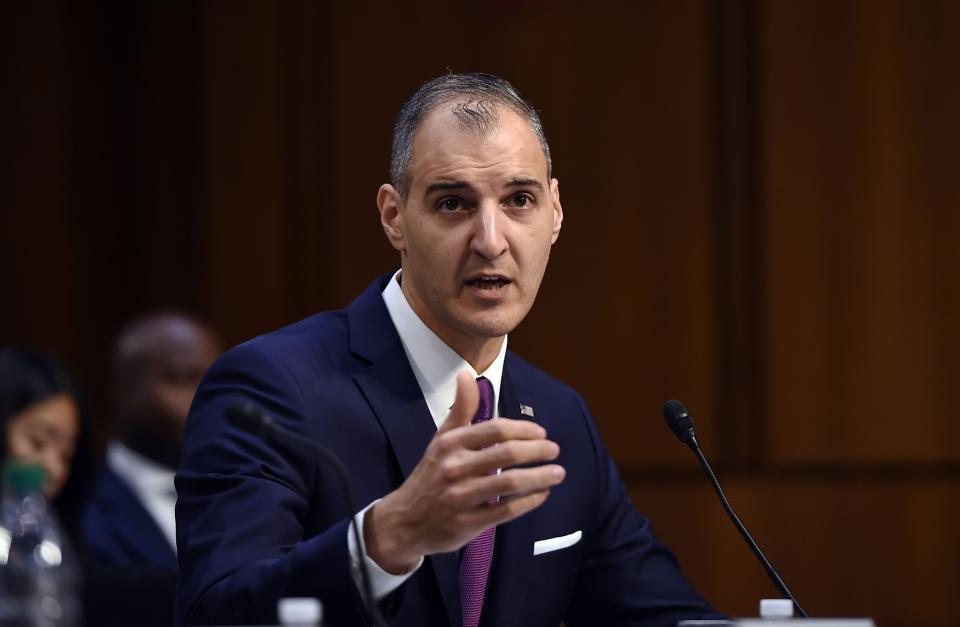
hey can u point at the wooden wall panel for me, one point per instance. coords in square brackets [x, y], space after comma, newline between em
[846, 547]
[244, 215]
[34, 184]
[863, 274]
[98, 210]
[271, 249]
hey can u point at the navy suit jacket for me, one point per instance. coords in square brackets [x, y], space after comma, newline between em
[117, 529]
[257, 523]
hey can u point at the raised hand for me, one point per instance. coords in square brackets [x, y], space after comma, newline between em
[445, 502]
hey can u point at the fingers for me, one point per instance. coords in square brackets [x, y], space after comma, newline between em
[468, 463]
[486, 434]
[506, 510]
[466, 403]
[507, 485]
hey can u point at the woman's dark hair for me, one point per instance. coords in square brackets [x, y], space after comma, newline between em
[28, 377]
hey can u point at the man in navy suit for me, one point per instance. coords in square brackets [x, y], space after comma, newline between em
[520, 520]
[158, 362]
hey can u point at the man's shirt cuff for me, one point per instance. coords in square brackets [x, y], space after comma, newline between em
[382, 583]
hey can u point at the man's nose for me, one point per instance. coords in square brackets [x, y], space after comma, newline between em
[489, 239]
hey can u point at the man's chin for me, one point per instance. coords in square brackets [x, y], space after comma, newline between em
[491, 327]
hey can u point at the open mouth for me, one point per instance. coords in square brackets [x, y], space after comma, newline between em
[488, 283]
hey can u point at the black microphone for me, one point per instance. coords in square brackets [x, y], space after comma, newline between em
[680, 422]
[250, 418]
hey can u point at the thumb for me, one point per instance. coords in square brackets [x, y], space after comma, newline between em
[465, 406]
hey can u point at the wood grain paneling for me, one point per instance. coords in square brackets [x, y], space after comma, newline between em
[863, 217]
[846, 547]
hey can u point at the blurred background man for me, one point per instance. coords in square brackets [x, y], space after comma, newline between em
[158, 361]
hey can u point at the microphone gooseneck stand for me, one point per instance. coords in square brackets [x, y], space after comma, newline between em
[682, 426]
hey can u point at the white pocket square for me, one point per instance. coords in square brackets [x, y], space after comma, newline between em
[555, 544]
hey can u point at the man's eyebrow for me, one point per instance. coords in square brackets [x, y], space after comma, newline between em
[438, 187]
[526, 183]
[459, 185]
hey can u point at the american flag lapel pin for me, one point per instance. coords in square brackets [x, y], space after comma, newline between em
[526, 410]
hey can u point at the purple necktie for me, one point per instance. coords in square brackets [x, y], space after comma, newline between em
[478, 553]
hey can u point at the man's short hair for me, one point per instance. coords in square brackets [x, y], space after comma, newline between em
[481, 95]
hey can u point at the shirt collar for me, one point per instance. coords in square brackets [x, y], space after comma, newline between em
[435, 364]
[145, 475]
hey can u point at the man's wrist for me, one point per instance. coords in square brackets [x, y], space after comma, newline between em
[382, 583]
[384, 544]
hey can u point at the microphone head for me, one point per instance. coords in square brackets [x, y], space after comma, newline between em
[247, 416]
[679, 421]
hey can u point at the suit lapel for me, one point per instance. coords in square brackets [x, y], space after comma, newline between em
[513, 546]
[388, 383]
[137, 534]
[394, 395]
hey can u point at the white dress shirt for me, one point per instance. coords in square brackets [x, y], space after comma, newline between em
[151, 483]
[436, 367]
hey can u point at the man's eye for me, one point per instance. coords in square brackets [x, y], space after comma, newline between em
[450, 204]
[522, 200]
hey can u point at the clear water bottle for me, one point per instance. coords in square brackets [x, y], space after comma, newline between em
[39, 578]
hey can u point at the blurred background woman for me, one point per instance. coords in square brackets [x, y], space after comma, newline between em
[41, 421]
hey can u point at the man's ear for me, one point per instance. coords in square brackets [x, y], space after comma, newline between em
[557, 209]
[389, 201]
